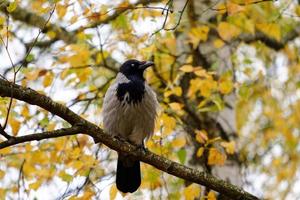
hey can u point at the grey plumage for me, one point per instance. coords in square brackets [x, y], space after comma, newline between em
[133, 122]
[129, 112]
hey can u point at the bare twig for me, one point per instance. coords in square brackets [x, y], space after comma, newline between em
[180, 17]
[36, 38]
[167, 10]
[17, 70]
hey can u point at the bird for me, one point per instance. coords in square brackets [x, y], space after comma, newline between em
[129, 111]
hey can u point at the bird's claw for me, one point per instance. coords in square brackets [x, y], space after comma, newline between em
[142, 147]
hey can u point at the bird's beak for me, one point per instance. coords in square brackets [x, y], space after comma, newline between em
[145, 65]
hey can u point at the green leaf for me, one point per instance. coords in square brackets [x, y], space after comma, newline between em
[218, 102]
[65, 176]
[12, 6]
[181, 155]
[30, 58]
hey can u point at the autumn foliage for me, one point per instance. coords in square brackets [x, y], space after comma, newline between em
[226, 75]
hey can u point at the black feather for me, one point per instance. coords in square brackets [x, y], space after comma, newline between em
[135, 88]
[128, 177]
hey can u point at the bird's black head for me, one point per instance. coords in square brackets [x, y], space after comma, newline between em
[135, 68]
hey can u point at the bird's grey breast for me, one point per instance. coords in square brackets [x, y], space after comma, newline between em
[129, 107]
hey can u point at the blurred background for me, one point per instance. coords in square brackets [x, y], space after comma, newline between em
[227, 76]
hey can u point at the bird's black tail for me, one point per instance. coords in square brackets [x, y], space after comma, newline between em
[128, 175]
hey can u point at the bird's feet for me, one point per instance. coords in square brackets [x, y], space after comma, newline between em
[142, 147]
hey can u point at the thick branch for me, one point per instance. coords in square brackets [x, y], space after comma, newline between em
[270, 42]
[262, 37]
[32, 97]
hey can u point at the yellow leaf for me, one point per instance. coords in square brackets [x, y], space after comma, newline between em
[73, 19]
[113, 192]
[229, 146]
[199, 71]
[192, 191]
[201, 136]
[80, 57]
[65, 176]
[77, 164]
[218, 43]
[168, 93]
[194, 86]
[51, 126]
[12, 6]
[28, 147]
[169, 124]
[6, 150]
[15, 125]
[228, 31]
[176, 106]
[64, 73]
[84, 74]
[48, 79]
[61, 10]
[213, 140]
[179, 142]
[177, 91]
[88, 194]
[2, 174]
[51, 34]
[211, 196]
[225, 85]
[187, 68]
[200, 151]
[25, 111]
[207, 86]
[198, 34]
[221, 8]
[233, 8]
[297, 10]
[2, 20]
[76, 152]
[40, 157]
[270, 29]
[33, 75]
[215, 157]
[35, 185]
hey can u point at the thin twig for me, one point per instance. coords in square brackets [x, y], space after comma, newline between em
[35, 41]
[14, 81]
[167, 15]
[180, 17]
[13, 65]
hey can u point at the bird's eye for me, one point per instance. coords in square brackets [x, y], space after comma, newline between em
[132, 65]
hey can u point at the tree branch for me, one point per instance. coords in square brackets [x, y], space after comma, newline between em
[117, 13]
[81, 125]
[35, 20]
[270, 42]
[40, 136]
